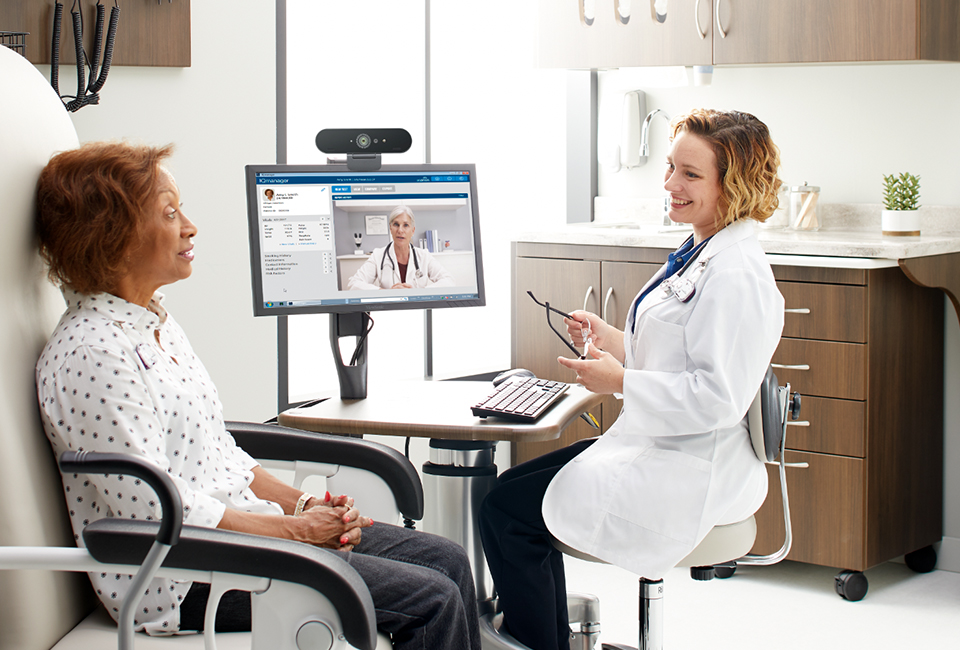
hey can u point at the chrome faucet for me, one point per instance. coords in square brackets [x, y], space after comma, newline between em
[645, 131]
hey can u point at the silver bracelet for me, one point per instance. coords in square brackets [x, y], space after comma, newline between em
[301, 502]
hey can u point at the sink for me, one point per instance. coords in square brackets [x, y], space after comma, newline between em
[633, 225]
[622, 225]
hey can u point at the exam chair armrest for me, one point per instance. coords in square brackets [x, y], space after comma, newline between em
[125, 541]
[274, 442]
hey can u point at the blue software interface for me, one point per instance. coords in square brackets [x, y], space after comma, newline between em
[323, 236]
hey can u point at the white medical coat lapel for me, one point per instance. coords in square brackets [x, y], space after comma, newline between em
[389, 275]
[678, 460]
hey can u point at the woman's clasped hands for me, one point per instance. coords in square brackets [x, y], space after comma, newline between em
[601, 371]
[333, 523]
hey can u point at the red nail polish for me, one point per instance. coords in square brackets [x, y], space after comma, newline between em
[327, 498]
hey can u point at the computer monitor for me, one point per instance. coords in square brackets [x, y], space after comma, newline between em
[320, 238]
[323, 239]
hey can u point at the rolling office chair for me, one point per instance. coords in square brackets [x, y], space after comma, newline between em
[306, 598]
[717, 555]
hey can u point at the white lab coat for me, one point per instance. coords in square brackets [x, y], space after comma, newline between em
[380, 273]
[678, 460]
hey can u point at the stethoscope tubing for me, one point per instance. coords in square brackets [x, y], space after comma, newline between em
[413, 252]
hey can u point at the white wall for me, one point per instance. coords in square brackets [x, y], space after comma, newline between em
[220, 113]
[838, 127]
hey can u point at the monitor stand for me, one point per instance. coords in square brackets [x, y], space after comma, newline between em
[353, 376]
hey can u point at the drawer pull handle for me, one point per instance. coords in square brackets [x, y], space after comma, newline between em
[781, 366]
[797, 465]
[800, 310]
[798, 423]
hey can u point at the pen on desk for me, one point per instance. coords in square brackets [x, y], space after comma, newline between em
[589, 419]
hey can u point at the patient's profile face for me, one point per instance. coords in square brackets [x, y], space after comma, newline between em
[268, 194]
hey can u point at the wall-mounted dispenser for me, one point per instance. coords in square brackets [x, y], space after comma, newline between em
[618, 148]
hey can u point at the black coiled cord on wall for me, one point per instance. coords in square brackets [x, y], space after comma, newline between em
[86, 94]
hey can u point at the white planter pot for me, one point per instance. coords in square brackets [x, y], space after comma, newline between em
[902, 223]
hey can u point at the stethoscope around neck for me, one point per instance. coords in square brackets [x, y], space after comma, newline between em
[684, 286]
[413, 251]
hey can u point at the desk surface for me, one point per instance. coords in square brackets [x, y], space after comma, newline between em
[434, 409]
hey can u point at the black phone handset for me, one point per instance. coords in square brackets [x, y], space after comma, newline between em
[87, 93]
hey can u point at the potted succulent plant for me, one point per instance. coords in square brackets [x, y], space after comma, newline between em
[901, 203]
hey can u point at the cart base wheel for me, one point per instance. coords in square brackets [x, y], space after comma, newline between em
[851, 585]
[922, 560]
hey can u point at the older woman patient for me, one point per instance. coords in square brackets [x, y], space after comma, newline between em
[118, 374]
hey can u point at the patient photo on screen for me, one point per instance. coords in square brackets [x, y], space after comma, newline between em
[402, 263]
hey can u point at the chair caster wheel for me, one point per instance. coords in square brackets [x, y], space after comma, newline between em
[851, 585]
[702, 572]
[922, 560]
[724, 571]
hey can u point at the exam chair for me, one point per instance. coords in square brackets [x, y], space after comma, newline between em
[717, 555]
[304, 597]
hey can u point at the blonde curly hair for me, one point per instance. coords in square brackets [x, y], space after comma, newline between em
[747, 159]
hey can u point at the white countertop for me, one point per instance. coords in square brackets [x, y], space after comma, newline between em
[849, 231]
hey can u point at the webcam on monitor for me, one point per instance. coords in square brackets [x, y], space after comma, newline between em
[363, 140]
[363, 146]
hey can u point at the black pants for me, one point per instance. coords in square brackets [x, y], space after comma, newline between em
[527, 570]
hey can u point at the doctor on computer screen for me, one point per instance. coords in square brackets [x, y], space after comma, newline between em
[399, 265]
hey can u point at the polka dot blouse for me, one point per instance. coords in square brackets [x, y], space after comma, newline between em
[116, 377]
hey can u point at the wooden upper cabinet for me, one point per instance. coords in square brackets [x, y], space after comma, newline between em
[828, 31]
[593, 34]
[149, 33]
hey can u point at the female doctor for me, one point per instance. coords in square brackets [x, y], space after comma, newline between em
[697, 342]
[399, 265]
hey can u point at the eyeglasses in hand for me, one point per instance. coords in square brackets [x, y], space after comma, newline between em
[584, 327]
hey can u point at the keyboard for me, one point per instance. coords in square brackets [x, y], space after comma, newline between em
[522, 401]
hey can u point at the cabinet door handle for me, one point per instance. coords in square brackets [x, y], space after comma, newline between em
[781, 366]
[696, 17]
[776, 463]
[606, 302]
[799, 310]
[588, 12]
[716, 10]
[798, 423]
[587, 297]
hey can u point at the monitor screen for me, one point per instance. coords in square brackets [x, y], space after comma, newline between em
[327, 239]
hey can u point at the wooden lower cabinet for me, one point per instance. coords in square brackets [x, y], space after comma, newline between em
[826, 511]
[864, 348]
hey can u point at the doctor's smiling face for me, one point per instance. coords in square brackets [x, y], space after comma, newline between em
[693, 181]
